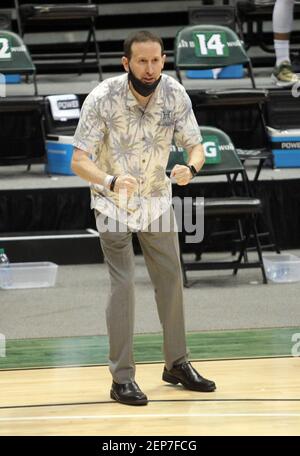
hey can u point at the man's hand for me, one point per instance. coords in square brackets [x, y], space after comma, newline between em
[126, 184]
[181, 174]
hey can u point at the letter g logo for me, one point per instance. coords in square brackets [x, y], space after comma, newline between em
[210, 149]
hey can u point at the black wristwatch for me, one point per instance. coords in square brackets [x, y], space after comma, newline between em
[193, 170]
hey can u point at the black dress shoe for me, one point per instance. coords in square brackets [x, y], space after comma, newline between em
[128, 393]
[188, 376]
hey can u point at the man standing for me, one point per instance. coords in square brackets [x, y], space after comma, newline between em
[122, 146]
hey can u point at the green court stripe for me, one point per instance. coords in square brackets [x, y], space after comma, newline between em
[93, 350]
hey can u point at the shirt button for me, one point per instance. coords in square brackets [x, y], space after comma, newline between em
[143, 161]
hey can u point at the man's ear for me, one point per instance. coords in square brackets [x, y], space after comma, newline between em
[125, 63]
[163, 60]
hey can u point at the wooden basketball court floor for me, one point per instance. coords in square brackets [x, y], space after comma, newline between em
[258, 396]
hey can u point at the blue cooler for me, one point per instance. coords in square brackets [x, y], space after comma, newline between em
[285, 147]
[12, 78]
[59, 154]
[62, 114]
[228, 72]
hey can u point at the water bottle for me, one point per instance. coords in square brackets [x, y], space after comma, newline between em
[4, 271]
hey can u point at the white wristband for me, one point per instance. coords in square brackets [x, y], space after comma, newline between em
[107, 181]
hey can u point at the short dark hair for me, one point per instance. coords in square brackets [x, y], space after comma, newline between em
[141, 37]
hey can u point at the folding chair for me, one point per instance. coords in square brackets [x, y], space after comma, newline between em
[65, 16]
[15, 57]
[204, 47]
[214, 46]
[242, 208]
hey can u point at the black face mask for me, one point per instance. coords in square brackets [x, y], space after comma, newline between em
[142, 89]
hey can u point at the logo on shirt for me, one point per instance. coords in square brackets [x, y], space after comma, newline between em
[166, 119]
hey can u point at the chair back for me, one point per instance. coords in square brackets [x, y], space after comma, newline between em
[208, 46]
[220, 154]
[14, 55]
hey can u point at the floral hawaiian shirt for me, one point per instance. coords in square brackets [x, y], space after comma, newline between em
[122, 137]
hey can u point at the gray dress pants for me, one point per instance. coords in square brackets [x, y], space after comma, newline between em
[161, 253]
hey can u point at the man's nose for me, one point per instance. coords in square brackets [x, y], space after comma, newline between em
[150, 68]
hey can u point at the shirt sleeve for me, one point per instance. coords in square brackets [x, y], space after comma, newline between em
[90, 130]
[186, 133]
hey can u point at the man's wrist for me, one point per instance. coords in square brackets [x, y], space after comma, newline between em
[192, 169]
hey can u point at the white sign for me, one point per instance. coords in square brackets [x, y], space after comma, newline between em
[64, 107]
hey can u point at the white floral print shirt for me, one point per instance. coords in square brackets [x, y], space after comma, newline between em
[122, 137]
